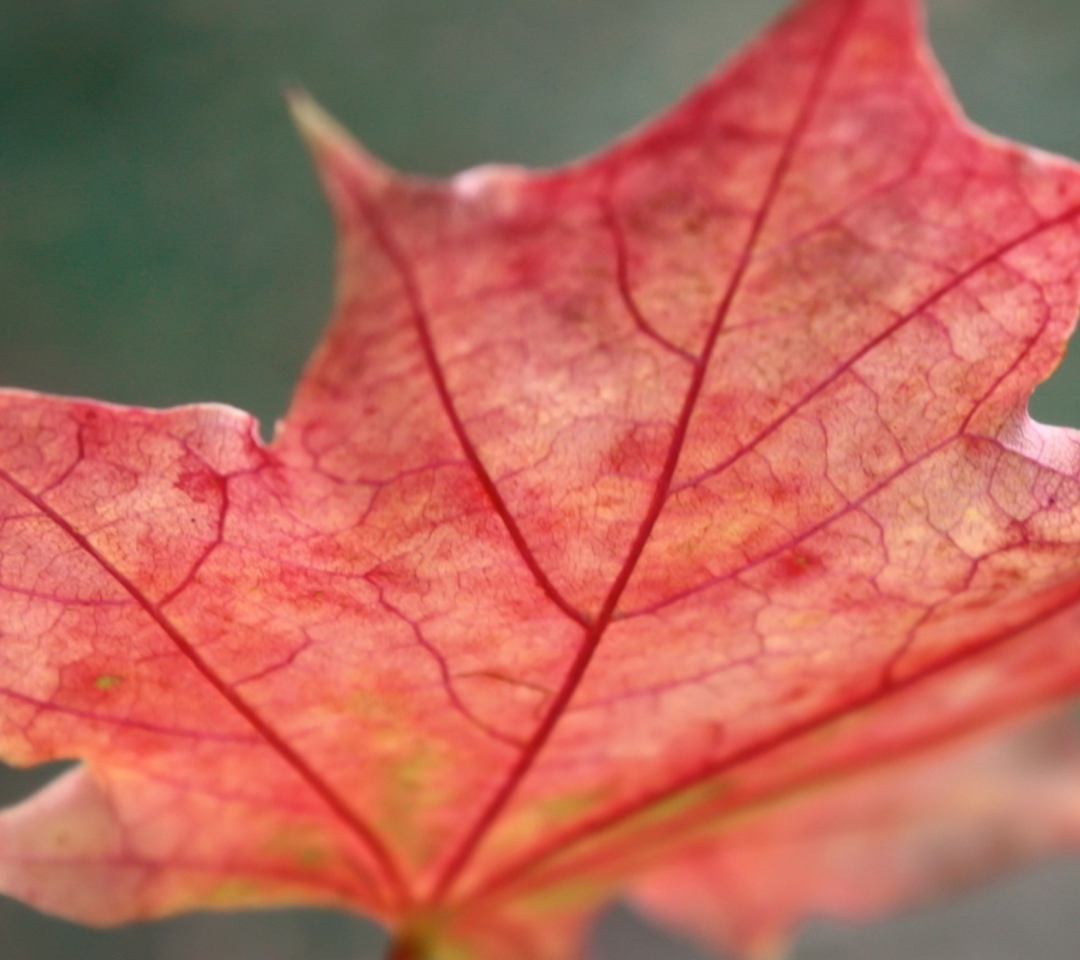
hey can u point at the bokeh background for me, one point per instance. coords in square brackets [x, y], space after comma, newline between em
[162, 240]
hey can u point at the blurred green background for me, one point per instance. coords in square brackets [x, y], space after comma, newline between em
[162, 240]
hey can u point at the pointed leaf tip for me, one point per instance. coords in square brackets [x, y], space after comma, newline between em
[335, 151]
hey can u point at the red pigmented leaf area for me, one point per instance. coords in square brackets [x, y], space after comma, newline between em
[668, 524]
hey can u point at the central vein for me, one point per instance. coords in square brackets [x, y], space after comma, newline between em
[594, 627]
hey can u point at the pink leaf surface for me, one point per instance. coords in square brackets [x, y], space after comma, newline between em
[617, 503]
[911, 831]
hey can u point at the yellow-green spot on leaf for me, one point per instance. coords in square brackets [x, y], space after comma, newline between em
[571, 806]
[568, 895]
[311, 858]
[685, 801]
[302, 845]
[235, 893]
[107, 681]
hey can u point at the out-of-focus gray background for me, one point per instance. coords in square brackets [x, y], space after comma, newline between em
[162, 241]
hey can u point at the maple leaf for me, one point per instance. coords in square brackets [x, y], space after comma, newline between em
[629, 517]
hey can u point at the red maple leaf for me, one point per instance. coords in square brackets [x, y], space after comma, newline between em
[630, 517]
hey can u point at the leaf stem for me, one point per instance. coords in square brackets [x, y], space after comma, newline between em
[406, 948]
